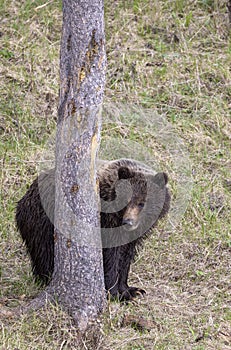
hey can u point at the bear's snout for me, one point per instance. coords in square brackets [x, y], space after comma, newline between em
[128, 222]
[131, 217]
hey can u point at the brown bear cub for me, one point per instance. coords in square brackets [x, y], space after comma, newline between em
[133, 198]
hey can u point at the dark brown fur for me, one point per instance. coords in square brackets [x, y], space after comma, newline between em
[146, 199]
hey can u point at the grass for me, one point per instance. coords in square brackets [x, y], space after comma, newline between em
[168, 57]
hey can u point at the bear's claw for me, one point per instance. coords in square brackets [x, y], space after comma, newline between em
[131, 293]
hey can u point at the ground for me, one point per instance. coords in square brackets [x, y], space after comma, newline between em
[173, 57]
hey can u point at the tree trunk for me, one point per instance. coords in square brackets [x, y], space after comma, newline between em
[78, 279]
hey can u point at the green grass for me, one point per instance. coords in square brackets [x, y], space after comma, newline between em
[170, 57]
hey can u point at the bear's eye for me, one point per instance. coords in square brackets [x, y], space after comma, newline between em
[141, 205]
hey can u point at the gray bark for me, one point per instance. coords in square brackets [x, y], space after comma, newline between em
[78, 279]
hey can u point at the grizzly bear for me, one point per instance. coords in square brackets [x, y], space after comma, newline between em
[133, 198]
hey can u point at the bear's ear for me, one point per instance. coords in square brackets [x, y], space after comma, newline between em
[124, 173]
[161, 179]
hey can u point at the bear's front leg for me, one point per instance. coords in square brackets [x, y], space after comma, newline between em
[111, 270]
[127, 253]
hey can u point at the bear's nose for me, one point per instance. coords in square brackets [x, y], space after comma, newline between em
[127, 222]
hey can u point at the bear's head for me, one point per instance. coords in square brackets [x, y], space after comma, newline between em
[145, 198]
